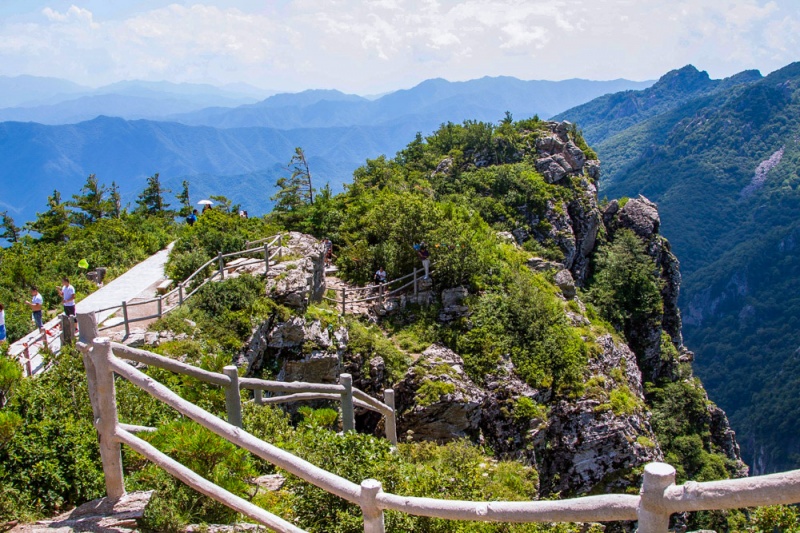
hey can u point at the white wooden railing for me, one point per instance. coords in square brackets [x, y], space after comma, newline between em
[186, 289]
[62, 334]
[375, 293]
[658, 499]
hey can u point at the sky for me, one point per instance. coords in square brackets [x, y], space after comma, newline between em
[375, 46]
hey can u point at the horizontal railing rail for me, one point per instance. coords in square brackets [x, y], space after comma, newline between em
[659, 496]
[294, 391]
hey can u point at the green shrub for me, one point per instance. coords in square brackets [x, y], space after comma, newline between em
[430, 392]
[526, 409]
[623, 402]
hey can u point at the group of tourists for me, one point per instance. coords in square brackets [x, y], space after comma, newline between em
[36, 303]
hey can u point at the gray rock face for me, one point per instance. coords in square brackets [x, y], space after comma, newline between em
[505, 431]
[454, 413]
[641, 216]
[453, 304]
[566, 283]
[586, 446]
[316, 367]
[99, 516]
[301, 275]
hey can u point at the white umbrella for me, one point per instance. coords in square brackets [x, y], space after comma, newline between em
[205, 202]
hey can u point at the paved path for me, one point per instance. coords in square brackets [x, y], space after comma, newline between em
[132, 283]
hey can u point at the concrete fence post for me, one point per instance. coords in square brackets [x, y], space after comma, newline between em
[415, 281]
[106, 423]
[348, 414]
[160, 306]
[125, 319]
[28, 367]
[180, 293]
[373, 515]
[653, 516]
[233, 398]
[67, 330]
[344, 301]
[266, 258]
[391, 420]
[258, 396]
[221, 262]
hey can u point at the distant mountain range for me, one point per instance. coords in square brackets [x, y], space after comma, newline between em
[722, 159]
[237, 151]
[53, 101]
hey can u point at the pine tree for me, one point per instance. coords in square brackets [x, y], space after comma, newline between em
[11, 232]
[115, 199]
[52, 225]
[91, 202]
[151, 200]
[297, 190]
[183, 198]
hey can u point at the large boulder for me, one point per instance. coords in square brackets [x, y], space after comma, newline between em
[299, 273]
[436, 400]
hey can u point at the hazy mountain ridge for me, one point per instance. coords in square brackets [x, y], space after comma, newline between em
[439, 99]
[738, 251]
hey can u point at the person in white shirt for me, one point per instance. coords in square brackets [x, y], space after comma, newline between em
[36, 307]
[67, 293]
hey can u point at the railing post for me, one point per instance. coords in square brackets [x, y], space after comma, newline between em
[160, 306]
[87, 329]
[258, 397]
[125, 319]
[380, 292]
[67, 330]
[415, 281]
[180, 293]
[653, 517]
[28, 366]
[266, 258]
[106, 423]
[390, 422]
[221, 262]
[233, 398]
[373, 515]
[348, 414]
[344, 301]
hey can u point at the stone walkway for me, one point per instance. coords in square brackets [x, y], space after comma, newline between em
[139, 280]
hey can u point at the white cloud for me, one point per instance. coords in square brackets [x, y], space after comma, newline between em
[378, 45]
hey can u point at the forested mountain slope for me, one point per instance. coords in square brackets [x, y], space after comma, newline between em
[547, 335]
[724, 168]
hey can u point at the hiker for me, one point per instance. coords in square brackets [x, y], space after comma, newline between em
[67, 293]
[192, 218]
[425, 257]
[2, 324]
[206, 208]
[36, 307]
[328, 247]
[380, 276]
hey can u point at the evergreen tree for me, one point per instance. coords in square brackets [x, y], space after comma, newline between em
[11, 232]
[151, 200]
[52, 225]
[91, 202]
[115, 200]
[183, 198]
[297, 190]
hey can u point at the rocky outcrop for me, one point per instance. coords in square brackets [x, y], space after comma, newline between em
[300, 272]
[572, 225]
[437, 400]
[587, 446]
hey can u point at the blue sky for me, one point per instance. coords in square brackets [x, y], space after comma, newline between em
[375, 46]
